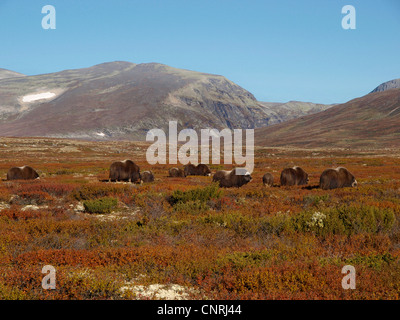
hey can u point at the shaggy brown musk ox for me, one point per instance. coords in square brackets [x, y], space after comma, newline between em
[295, 176]
[147, 176]
[233, 178]
[336, 178]
[22, 173]
[176, 172]
[125, 170]
[199, 170]
[268, 180]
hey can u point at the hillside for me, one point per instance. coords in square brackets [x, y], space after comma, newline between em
[392, 84]
[280, 112]
[122, 100]
[370, 121]
[6, 74]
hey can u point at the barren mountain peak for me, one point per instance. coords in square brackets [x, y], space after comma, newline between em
[392, 84]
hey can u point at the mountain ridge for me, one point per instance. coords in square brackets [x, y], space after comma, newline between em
[392, 84]
[369, 121]
[123, 100]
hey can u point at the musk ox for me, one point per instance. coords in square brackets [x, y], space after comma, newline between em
[336, 178]
[295, 176]
[22, 173]
[199, 170]
[233, 178]
[147, 176]
[125, 170]
[176, 172]
[268, 180]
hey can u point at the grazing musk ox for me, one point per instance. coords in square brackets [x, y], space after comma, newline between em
[147, 176]
[295, 176]
[125, 170]
[268, 180]
[199, 170]
[22, 173]
[229, 179]
[176, 172]
[336, 178]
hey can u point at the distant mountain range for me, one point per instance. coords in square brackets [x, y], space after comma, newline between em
[370, 121]
[122, 100]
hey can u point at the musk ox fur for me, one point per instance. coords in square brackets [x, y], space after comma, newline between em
[295, 176]
[147, 176]
[268, 180]
[176, 172]
[234, 178]
[199, 170]
[336, 178]
[125, 170]
[22, 173]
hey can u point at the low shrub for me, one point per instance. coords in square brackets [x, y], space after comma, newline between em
[199, 194]
[101, 205]
[241, 260]
[346, 220]
[376, 261]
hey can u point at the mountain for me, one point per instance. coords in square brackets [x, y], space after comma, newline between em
[280, 112]
[392, 84]
[369, 121]
[6, 74]
[123, 100]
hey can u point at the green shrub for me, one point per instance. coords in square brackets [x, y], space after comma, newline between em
[376, 261]
[192, 207]
[345, 220]
[243, 225]
[275, 224]
[241, 260]
[200, 194]
[315, 200]
[102, 205]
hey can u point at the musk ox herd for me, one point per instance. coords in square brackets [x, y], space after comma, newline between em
[128, 171]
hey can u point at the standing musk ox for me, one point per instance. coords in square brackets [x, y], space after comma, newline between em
[125, 170]
[336, 178]
[22, 173]
[295, 176]
[268, 180]
[229, 179]
[199, 170]
[147, 176]
[176, 172]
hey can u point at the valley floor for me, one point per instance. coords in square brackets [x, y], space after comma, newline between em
[184, 238]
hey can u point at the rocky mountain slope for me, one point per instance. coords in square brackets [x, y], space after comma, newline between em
[370, 121]
[122, 100]
[6, 74]
[281, 112]
[392, 84]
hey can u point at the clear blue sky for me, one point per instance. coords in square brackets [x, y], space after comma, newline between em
[279, 50]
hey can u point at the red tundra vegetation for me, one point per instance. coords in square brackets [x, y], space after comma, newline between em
[253, 242]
